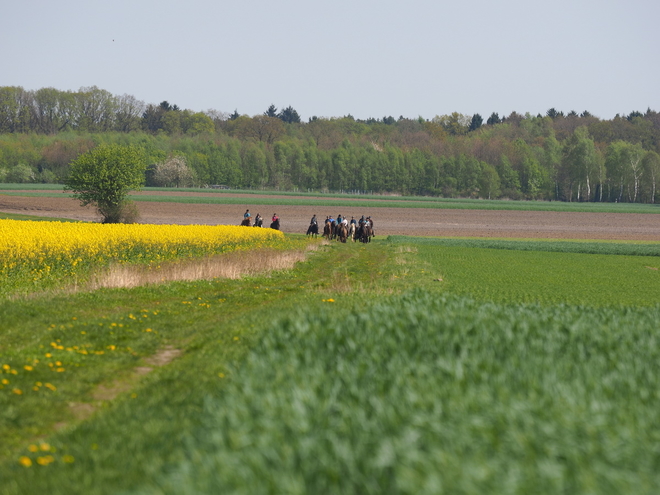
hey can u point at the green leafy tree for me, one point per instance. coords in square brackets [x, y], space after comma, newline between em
[651, 165]
[102, 177]
[581, 162]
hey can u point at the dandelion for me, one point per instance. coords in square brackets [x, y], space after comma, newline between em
[50, 386]
[27, 367]
[45, 460]
[25, 461]
[4, 381]
[33, 448]
[17, 391]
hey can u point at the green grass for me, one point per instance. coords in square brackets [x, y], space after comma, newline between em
[520, 272]
[630, 248]
[370, 201]
[356, 372]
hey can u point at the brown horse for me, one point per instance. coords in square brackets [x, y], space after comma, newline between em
[327, 230]
[246, 222]
[342, 232]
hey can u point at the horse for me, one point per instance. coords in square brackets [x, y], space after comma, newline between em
[313, 229]
[351, 232]
[364, 233]
[367, 233]
[342, 232]
[275, 225]
[258, 222]
[327, 230]
[246, 222]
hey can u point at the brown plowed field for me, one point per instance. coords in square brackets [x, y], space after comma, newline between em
[405, 221]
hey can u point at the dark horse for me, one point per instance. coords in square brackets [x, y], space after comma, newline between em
[327, 230]
[313, 229]
[246, 222]
[258, 222]
[275, 225]
[364, 233]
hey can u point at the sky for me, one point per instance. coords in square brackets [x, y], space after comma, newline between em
[365, 58]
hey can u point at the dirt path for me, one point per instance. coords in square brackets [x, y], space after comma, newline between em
[387, 221]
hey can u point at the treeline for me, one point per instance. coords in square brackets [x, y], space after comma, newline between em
[557, 156]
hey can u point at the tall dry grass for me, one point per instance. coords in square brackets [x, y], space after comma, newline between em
[231, 265]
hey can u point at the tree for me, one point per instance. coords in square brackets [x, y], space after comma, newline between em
[271, 112]
[455, 124]
[102, 177]
[173, 172]
[493, 119]
[580, 162]
[289, 115]
[476, 122]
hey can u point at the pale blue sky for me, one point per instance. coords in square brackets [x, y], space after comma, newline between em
[331, 58]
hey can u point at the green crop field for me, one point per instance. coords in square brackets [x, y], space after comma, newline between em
[405, 366]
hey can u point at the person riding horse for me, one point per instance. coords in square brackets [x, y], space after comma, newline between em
[246, 219]
[313, 228]
[275, 224]
[258, 220]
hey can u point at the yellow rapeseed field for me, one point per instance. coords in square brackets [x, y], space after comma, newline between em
[36, 251]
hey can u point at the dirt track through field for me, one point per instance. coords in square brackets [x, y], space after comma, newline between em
[387, 221]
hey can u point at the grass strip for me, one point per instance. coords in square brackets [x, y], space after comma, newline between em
[636, 248]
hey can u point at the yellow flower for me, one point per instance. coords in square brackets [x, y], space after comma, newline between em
[45, 447]
[5, 381]
[17, 391]
[6, 367]
[25, 461]
[45, 460]
[33, 448]
[28, 368]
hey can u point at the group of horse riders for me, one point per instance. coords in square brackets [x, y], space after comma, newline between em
[258, 220]
[341, 228]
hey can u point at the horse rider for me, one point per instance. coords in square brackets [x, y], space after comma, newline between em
[275, 217]
[313, 221]
[246, 215]
[353, 221]
[258, 221]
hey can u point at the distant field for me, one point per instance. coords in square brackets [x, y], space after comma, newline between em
[233, 196]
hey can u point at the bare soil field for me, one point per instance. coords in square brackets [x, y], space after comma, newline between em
[387, 221]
